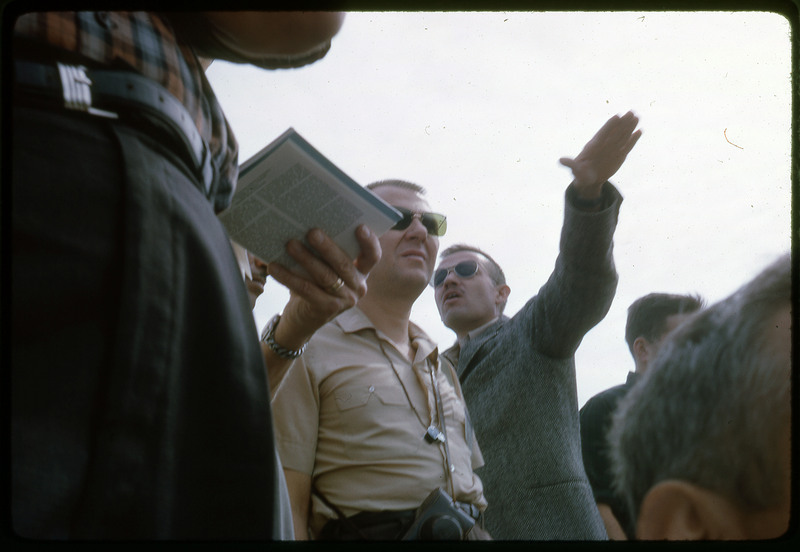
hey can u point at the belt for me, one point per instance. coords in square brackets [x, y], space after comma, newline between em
[383, 525]
[117, 95]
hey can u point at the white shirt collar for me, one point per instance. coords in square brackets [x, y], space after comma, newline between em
[472, 333]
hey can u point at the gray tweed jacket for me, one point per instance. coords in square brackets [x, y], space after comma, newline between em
[518, 378]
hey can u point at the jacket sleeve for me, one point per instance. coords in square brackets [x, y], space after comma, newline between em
[581, 287]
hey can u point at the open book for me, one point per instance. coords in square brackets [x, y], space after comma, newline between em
[288, 188]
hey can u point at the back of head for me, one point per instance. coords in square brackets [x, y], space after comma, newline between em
[647, 316]
[714, 404]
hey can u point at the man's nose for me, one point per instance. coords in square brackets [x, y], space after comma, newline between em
[451, 277]
[416, 229]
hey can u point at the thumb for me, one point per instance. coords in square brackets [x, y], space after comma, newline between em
[567, 162]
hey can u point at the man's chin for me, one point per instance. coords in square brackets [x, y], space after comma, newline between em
[450, 318]
[417, 277]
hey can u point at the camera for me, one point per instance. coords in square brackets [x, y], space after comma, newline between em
[438, 518]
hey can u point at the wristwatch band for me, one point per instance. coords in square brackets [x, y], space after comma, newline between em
[268, 337]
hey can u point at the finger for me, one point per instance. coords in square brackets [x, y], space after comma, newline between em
[628, 124]
[606, 130]
[333, 259]
[567, 162]
[370, 249]
[316, 271]
[317, 299]
[621, 133]
[632, 142]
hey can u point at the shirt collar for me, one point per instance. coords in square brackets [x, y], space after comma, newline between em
[475, 332]
[354, 320]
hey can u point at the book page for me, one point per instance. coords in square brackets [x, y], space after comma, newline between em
[289, 188]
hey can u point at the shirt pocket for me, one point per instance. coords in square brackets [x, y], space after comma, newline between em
[377, 423]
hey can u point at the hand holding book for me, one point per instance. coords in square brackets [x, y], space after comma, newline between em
[318, 231]
[331, 283]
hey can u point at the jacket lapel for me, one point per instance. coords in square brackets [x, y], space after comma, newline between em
[476, 348]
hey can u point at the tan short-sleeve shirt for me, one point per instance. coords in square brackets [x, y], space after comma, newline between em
[352, 412]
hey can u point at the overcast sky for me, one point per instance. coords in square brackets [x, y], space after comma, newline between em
[479, 107]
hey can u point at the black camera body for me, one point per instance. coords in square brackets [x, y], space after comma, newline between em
[438, 518]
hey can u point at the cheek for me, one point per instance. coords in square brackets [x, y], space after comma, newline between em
[432, 245]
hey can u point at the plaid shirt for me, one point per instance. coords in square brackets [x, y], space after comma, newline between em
[144, 42]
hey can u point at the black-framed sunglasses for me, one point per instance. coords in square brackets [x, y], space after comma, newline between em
[464, 269]
[434, 223]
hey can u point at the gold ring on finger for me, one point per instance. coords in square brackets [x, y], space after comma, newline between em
[336, 286]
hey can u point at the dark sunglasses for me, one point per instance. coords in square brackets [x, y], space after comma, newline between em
[464, 269]
[435, 223]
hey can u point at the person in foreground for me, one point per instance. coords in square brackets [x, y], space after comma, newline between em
[650, 319]
[367, 423]
[701, 445]
[518, 373]
[139, 397]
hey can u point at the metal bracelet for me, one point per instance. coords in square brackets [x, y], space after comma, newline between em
[268, 337]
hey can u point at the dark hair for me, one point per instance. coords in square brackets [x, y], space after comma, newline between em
[710, 407]
[647, 316]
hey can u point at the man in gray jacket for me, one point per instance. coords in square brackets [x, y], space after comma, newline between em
[518, 373]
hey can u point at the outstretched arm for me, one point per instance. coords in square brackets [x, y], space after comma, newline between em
[580, 290]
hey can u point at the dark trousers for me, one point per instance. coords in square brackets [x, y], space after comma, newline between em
[139, 402]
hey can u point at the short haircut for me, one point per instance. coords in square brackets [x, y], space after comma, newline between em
[402, 184]
[492, 268]
[711, 407]
[647, 316]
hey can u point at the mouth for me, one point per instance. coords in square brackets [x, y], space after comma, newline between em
[415, 255]
[450, 295]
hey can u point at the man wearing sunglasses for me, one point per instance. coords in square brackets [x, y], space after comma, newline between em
[367, 423]
[518, 373]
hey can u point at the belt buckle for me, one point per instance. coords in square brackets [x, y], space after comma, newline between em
[76, 87]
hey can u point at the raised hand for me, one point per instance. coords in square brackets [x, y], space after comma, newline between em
[603, 155]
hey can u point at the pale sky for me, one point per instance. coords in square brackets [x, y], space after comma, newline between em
[478, 108]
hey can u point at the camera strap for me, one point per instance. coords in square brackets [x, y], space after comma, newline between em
[452, 377]
[434, 433]
[440, 415]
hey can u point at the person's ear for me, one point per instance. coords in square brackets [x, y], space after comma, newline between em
[678, 510]
[502, 293]
[640, 350]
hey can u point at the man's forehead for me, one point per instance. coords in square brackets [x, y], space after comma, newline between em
[400, 196]
[459, 256]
